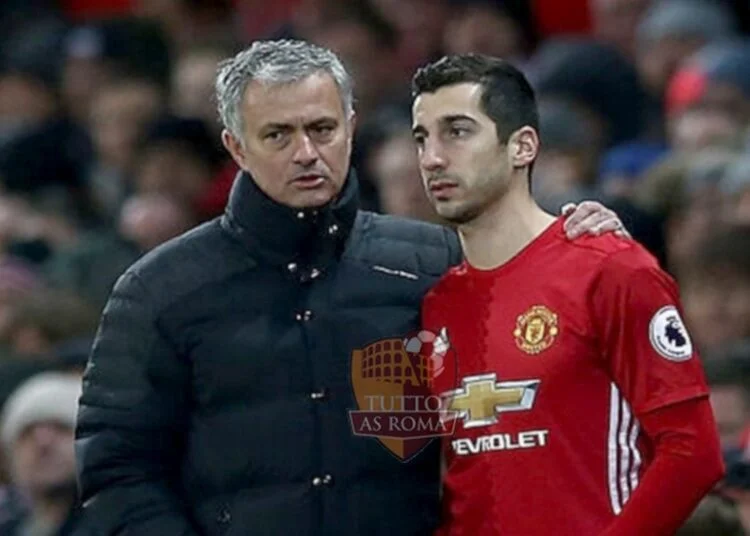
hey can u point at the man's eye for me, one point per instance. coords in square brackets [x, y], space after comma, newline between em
[323, 130]
[458, 132]
[275, 135]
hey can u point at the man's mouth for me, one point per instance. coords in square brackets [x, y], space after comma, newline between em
[309, 182]
[442, 189]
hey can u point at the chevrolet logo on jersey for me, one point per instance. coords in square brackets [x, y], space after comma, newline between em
[482, 397]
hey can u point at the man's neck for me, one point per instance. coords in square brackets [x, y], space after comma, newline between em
[504, 229]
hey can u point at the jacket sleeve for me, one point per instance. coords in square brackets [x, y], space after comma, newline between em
[131, 421]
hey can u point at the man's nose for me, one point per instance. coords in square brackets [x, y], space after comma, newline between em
[431, 157]
[306, 153]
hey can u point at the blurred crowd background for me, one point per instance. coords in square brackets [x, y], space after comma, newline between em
[109, 145]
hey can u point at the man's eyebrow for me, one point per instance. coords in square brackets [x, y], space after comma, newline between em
[322, 121]
[276, 126]
[457, 117]
[445, 120]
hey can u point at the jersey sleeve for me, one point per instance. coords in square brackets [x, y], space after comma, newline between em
[644, 341]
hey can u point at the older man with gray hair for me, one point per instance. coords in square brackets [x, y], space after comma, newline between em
[36, 430]
[218, 394]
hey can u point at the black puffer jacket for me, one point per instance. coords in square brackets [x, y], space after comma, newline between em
[216, 399]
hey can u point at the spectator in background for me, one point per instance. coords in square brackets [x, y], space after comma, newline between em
[599, 80]
[716, 79]
[671, 31]
[18, 15]
[737, 488]
[660, 191]
[30, 64]
[683, 191]
[26, 100]
[17, 281]
[735, 189]
[189, 22]
[170, 167]
[44, 172]
[46, 319]
[92, 267]
[700, 128]
[148, 220]
[420, 25]
[715, 516]
[310, 15]
[119, 114]
[178, 158]
[486, 27]
[615, 22]
[255, 23]
[102, 53]
[368, 45]
[565, 170]
[622, 167]
[736, 484]
[728, 378]
[36, 429]
[401, 193]
[193, 84]
[715, 284]
[391, 164]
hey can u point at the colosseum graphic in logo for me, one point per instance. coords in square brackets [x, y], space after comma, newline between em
[392, 380]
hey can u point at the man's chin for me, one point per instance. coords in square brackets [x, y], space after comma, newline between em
[456, 215]
[313, 198]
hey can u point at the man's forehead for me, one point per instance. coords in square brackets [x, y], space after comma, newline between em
[300, 117]
[311, 99]
[449, 101]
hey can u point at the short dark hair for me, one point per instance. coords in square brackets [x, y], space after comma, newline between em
[507, 96]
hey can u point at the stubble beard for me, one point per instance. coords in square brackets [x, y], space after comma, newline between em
[488, 192]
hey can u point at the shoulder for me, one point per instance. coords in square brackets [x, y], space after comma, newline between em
[619, 263]
[177, 267]
[610, 253]
[429, 247]
[398, 229]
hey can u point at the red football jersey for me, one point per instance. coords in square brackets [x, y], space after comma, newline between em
[557, 353]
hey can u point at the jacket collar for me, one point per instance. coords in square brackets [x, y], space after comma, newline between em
[304, 241]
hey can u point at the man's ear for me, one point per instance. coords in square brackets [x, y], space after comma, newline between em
[523, 146]
[352, 124]
[235, 148]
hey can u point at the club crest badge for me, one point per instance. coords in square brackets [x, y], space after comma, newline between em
[536, 330]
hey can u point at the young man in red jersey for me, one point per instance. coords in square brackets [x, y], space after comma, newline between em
[579, 401]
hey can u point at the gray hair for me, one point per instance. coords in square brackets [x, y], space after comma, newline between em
[275, 62]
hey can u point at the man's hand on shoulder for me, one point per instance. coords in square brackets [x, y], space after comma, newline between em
[591, 217]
